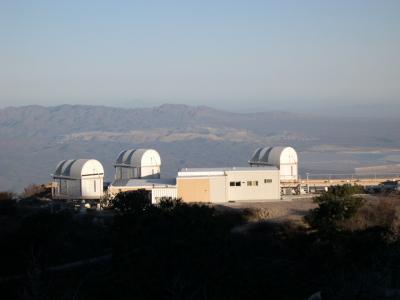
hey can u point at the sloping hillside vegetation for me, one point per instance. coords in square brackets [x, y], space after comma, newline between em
[175, 250]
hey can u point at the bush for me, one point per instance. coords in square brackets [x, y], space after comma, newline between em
[334, 207]
[345, 190]
[131, 202]
[33, 190]
[256, 214]
[169, 250]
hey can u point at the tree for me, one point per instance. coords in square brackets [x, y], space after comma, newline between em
[132, 201]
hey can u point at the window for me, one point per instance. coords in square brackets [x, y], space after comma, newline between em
[237, 183]
[267, 180]
[249, 183]
[255, 183]
[232, 183]
[94, 186]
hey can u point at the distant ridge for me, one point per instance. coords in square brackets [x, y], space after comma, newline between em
[34, 138]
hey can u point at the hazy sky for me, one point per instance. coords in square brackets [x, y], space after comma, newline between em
[239, 55]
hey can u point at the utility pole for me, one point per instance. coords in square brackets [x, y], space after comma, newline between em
[308, 187]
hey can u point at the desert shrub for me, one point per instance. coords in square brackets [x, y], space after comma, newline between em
[256, 214]
[334, 207]
[168, 203]
[376, 213]
[34, 190]
[345, 190]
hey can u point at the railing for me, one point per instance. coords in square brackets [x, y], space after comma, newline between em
[351, 176]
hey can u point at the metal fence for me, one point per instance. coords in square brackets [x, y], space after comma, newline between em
[351, 176]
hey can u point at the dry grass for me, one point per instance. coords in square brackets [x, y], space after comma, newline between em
[278, 211]
[379, 211]
[256, 214]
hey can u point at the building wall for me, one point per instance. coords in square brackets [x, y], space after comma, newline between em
[157, 192]
[87, 188]
[66, 188]
[289, 171]
[255, 186]
[161, 192]
[74, 189]
[126, 172]
[134, 172]
[150, 172]
[218, 191]
[92, 187]
[194, 189]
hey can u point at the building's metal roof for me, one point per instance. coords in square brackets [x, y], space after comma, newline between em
[192, 172]
[74, 168]
[135, 158]
[225, 169]
[144, 182]
[272, 155]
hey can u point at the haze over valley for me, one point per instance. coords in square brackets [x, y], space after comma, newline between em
[34, 138]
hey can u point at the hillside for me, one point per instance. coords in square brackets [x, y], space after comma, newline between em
[34, 138]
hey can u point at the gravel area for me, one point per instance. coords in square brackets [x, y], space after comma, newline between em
[290, 208]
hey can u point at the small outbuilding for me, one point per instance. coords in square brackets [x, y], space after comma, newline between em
[138, 163]
[78, 179]
[284, 158]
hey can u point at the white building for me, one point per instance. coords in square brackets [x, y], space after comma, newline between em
[284, 158]
[139, 169]
[137, 163]
[228, 184]
[78, 179]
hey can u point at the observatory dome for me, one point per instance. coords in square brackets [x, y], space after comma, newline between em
[78, 179]
[138, 163]
[285, 158]
[76, 168]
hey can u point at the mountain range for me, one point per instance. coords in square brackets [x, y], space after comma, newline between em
[34, 138]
